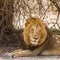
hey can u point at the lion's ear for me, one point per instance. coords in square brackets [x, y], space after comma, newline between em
[28, 21]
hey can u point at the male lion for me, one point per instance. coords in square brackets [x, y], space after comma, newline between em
[36, 37]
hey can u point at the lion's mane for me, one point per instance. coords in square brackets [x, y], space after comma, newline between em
[28, 24]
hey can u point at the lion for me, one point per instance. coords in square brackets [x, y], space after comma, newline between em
[36, 37]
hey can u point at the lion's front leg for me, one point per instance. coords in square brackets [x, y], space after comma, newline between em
[13, 54]
[17, 53]
[20, 53]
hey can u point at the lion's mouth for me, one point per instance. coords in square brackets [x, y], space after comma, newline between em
[36, 38]
[34, 41]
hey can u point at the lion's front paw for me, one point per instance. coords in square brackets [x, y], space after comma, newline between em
[8, 55]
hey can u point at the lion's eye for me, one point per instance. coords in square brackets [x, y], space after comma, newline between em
[32, 30]
[38, 31]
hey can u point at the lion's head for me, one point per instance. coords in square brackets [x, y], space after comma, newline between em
[35, 32]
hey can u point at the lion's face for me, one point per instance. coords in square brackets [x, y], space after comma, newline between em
[35, 32]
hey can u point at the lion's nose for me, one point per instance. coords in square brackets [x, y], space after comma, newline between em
[35, 35]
